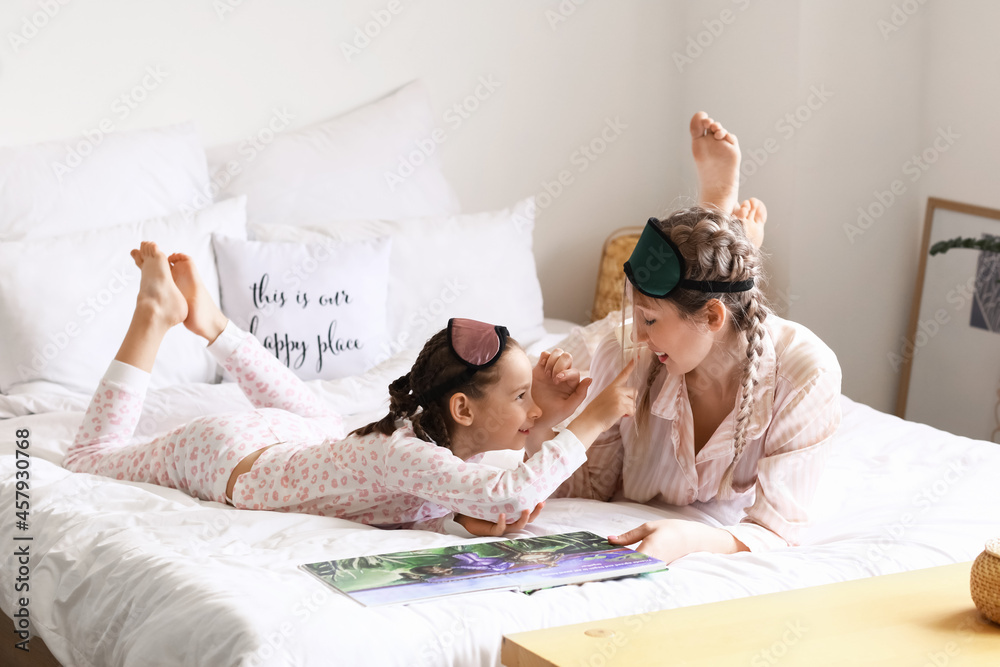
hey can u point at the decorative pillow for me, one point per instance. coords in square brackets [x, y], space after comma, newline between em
[479, 266]
[66, 302]
[345, 168]
[100, 180]
[319, 308]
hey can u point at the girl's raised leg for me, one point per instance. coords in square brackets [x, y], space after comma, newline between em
[203, 315]
[159, 306]
[109, 423]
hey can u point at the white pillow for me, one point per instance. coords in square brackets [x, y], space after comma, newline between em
[99, 180]
[319, 308]
[66, 302]
[341, 169]
[479, 266]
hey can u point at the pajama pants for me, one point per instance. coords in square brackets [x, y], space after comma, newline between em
[199, 457]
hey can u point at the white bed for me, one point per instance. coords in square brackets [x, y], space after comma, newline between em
[134, 574]
[129, 573]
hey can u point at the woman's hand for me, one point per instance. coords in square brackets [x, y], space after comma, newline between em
[484, 528]
[556, 387]
[670, 539]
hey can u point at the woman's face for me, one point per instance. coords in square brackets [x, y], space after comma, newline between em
[680, 344]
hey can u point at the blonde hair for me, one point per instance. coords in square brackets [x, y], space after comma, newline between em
[715, 247]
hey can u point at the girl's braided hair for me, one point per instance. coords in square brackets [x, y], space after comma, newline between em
[715, 247]
[436, 365]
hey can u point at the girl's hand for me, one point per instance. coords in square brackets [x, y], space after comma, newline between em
[670, 539]
[484, 528]
[617, 400]
[556, 386]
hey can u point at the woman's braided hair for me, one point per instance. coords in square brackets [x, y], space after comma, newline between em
[715, 247]
[436, 365]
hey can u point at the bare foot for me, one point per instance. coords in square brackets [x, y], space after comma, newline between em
[717, 159]
[203, 315]
[753, 214]
[159, 300]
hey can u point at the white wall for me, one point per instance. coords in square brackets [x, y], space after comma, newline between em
[891, 90]
[896, 72]
[561, 76]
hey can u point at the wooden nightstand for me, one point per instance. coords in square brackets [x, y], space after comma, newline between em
[923, 618]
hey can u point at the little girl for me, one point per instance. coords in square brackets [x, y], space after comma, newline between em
[468, 392]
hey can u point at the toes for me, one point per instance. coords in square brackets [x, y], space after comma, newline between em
[136, 257]
[698, 124]
[702, 124]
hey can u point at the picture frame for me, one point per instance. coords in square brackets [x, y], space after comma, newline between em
[949, 361]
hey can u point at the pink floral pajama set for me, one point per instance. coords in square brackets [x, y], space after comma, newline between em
[392, 481]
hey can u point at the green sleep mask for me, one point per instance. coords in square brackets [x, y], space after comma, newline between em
[656, 267]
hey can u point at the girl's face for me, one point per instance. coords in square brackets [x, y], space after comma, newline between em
[502, 418]
[680, 344]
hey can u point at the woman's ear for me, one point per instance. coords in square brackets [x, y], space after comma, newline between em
[460, 408]
[715, 312]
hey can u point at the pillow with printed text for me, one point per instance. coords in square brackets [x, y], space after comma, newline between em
[478, 265]
[320, 308]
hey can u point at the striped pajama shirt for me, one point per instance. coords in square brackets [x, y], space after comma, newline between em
[796, 413]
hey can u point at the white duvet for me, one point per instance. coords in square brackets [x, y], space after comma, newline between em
[134, 574]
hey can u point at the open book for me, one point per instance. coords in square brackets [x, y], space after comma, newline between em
[525, 565]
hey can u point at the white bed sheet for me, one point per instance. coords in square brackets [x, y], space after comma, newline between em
[127, 573]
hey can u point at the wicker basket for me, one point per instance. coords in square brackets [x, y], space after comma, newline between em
[610, 276]
[985, 581]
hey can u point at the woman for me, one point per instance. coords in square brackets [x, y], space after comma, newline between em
[735, 404]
